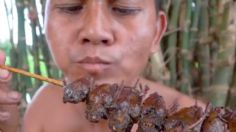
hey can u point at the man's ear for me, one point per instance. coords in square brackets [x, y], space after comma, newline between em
[160, 30]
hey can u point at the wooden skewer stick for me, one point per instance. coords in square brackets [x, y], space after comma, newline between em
[36, 76]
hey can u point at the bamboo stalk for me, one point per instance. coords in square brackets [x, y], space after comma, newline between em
[22, 48]
[203, 48]
[225, 57]
[172, 42]
[35, 52]
[231, 97]
[185, 59]
[15, 70]
[194, 35]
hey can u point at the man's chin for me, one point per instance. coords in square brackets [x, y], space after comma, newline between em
[103, 79]
[95, 69]
[115, 80]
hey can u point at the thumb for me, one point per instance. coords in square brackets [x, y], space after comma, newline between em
[4, 74]
[2, 57]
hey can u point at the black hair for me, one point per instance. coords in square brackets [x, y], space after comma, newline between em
[159, 5]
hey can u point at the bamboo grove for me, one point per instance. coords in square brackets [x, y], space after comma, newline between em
[196, 56]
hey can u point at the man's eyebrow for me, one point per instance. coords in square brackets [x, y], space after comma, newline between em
[71, 0]
[119, 0]
[123, 0]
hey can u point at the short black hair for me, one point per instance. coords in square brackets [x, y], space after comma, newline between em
[159, 5]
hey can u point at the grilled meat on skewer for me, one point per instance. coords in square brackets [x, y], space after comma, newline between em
[126, 109]
[78, 90]
[182, 119]
[100, 97]
[153, 114]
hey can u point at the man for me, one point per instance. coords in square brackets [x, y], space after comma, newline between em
[108, 39]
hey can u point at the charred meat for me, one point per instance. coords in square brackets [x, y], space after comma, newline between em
[126, 108]
[100, 98]
[78, 90]
[153, 114]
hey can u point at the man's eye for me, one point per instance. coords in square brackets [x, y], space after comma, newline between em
[125, 11]
[71, 9]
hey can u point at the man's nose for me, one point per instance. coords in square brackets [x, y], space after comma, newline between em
[96, 28]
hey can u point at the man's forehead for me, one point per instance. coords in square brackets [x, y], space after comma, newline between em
[95, 0]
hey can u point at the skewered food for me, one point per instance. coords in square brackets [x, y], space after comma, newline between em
[183, 119]
[100, 98]
[126, 108]
[122, 106]
[153, 114]
[78, 90]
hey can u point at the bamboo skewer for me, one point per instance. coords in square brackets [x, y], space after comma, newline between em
[36, 76]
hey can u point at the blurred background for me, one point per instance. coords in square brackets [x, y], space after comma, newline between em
[197, 54]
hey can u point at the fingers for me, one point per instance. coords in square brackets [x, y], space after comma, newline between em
[6, 96]
[2, 57]
[4, 115]
[11, 97]
[8, 115]
[4, 74]
[8, 99]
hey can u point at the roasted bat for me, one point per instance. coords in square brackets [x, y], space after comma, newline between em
[153, 114]
[78, 90]
[126, 108]
[183, 119]
[100, 98]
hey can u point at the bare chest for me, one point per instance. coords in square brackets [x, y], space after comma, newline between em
[67, 119]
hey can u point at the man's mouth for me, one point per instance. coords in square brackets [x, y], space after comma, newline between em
[93, 64]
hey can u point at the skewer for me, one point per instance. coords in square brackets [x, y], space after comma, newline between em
[36, 76]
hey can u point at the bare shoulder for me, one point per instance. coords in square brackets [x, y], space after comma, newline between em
[40, 106]
[172, 96]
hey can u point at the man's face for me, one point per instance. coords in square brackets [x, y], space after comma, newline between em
[109, 39]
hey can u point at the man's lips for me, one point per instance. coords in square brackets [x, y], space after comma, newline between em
[93, 64]
[93, 60]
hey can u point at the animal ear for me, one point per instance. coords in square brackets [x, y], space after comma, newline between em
[92, 84]
[137, 82]
[64, 82]
[146, 88]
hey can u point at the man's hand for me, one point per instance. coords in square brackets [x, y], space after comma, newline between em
[9, 100]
